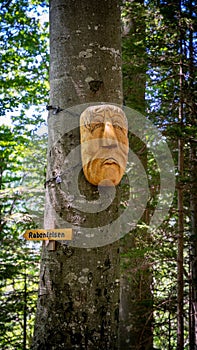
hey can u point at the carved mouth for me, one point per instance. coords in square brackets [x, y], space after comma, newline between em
[110, 161]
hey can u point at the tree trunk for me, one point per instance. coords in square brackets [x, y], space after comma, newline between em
[180, 282]
[78, 303]
[180, 195]
[136, 300]
[193, 254]
[136, 304]
[193, 188]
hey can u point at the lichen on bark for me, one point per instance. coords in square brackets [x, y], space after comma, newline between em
[78, 304]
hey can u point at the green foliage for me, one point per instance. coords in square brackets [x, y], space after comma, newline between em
[20, 178]
[134, 54]
[158, 38]
[170, 94]
[23, 84]
[24, 55]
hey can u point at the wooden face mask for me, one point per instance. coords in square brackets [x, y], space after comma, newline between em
[104, 144]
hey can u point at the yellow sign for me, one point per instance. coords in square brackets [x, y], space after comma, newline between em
[58, 234]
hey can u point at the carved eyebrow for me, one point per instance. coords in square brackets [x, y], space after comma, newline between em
[97, 121]
[85, 121]
[99, 117]
[118, 118]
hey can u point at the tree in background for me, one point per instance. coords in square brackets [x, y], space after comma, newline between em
[23, 38]
[19, 260]
[136, 303]
[170, 43]
[24, 58]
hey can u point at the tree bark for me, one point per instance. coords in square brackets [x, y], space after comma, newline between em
[180, 282]
[193, 189]
[193, 254]
[136, 299]
[78, 304]
[180, 198]
[136, 304]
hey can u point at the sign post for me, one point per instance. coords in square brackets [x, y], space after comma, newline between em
[64, 234]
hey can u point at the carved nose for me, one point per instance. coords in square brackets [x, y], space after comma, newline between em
[109, 136]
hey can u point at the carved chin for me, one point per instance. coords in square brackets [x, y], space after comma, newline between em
[103, 173]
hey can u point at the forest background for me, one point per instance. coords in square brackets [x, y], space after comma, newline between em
[159, 56]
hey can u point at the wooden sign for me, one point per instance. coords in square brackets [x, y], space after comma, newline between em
[59, 234]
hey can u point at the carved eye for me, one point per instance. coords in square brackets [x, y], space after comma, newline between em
[118, 126]
[118, 123]
[95, 126]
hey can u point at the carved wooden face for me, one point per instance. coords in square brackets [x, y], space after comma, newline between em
[104, 144]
